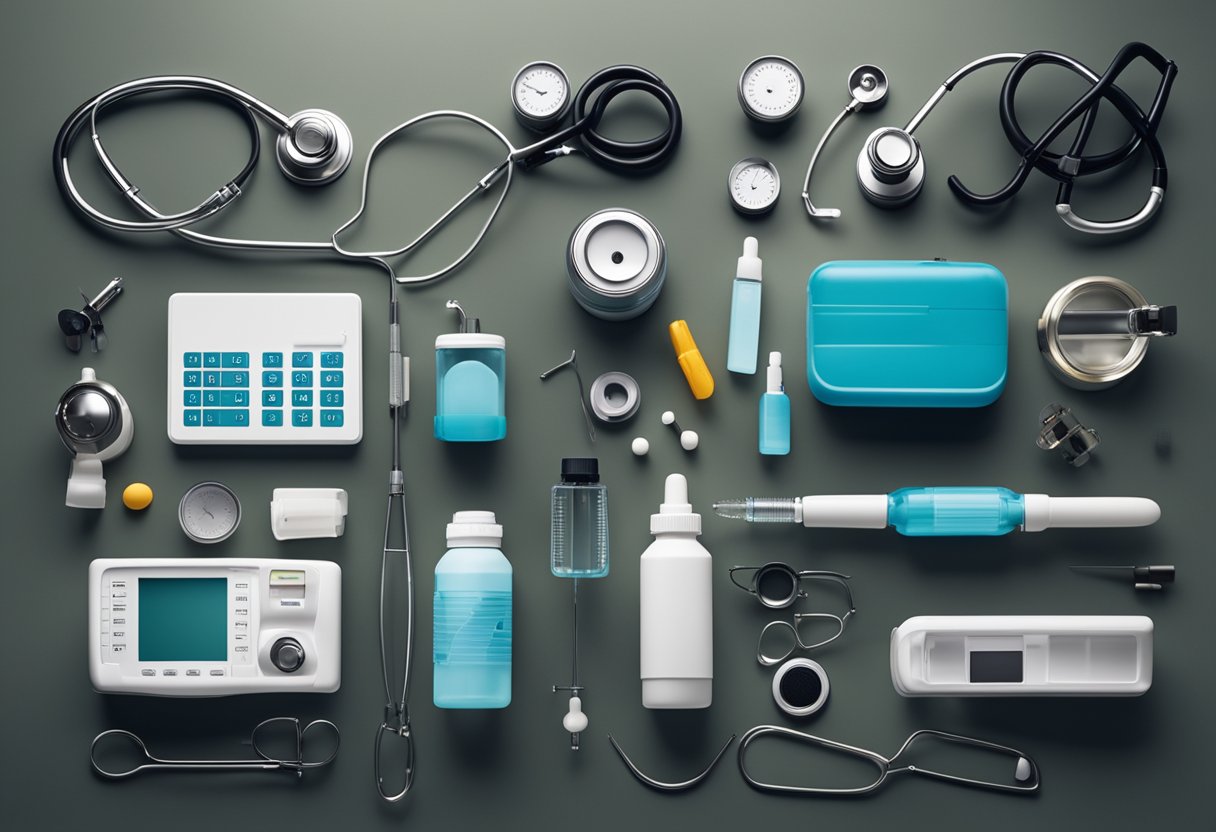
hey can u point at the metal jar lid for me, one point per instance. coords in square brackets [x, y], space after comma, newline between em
[615, 397]
[1090, 361]
[616, 263]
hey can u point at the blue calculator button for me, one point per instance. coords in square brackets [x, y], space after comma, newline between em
[211, 398]
[234, 398]
[272, 378]
[211, 379]
[332, 398]
[333, 378]
[331, 360]
[331, 418]
[226, 418]
[301, 378]
[192, 378]
[191, 418]
[235, 359]
[272, 418]
[272, 398]
[301, 398]
[301, 418]
[193, 398]
[301, 359]
[272, 359]
[235, 379]
[193, 359]
[211, 359]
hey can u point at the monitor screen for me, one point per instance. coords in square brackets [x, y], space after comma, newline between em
[183, 619]
[996, 666]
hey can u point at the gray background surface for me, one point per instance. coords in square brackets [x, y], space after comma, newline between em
[1106, 764]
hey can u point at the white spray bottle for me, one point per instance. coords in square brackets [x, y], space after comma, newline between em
[677, 607]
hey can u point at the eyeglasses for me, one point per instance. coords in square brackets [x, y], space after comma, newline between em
[778, 586]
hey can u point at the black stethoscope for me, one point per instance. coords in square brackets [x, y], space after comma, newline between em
[891, 167]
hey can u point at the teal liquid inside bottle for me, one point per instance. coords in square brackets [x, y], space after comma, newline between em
[955, 511]
[472, 616]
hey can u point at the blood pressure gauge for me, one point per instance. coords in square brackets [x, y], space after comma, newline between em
[540, 94]
[209, 512]
[754, 186]
[770, 89]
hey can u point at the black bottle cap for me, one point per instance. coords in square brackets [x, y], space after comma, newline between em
[580, 469]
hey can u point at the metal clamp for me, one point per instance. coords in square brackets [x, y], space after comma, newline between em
[1061, 430]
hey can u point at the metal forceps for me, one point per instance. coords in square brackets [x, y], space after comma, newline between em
[262, 762]
[779, 585]
[396, 722]
[1025, 772]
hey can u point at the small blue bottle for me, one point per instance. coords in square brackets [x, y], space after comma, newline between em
[578, 538]
[774, 412]
[472, 641]
[744, 343]
[470, 383]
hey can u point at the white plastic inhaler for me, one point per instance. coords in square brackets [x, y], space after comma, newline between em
[677, 607]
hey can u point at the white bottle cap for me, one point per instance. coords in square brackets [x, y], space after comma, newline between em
[775, 383]
[474, 528]
[675, 514]
[750, 265]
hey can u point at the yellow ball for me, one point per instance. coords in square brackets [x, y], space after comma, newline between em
[137, 496]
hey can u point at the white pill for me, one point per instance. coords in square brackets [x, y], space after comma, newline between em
[640, 446]
[689, 440]
[668, 417]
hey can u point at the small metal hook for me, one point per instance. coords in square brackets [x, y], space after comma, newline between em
[572, 362]
[683, 785]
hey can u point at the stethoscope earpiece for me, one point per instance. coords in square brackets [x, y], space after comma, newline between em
[315, 149]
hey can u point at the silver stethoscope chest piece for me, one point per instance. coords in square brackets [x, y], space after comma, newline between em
[754, 186]
[771, 89]
[209, 512]
[540, 95]
[616, 262]
[1096, 330]
[890, 167]
[94, 423]
[315, 149]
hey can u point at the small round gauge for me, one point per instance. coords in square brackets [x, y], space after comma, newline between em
[209, 512]
[770, 89]
[540, 95]
[754, 186]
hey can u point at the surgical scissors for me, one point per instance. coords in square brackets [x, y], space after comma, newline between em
[263, 761]
[777, 586]
[1025, 772]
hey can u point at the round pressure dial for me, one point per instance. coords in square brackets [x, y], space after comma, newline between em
[540, 95]
[754, 186]
[770, 89]
[209, 512]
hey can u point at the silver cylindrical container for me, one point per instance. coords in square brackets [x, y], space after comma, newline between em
[616, 262]
[1090, 362]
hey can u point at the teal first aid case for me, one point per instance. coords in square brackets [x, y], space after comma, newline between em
[907, 333]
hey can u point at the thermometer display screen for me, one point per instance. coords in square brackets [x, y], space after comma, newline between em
[183, 619]
[1003, 666]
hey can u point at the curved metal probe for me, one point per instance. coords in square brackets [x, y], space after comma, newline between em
[572, 362]
[867, 86]
[683, 785]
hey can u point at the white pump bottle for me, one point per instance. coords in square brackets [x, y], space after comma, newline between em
[677, 607]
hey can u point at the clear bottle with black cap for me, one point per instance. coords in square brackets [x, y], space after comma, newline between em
[578, 543]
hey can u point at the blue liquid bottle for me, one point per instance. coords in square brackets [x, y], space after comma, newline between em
[774, 412]
[744, 341]
[470, 383]
[472, 646]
